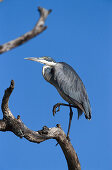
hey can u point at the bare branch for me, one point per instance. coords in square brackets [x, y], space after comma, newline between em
[3, 125]
[39, 27]
[10, 123]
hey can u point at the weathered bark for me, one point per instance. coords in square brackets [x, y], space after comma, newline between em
[10, 123]
[39, 27]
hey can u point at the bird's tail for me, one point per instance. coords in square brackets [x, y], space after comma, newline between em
[87, 109]
[79, 112]
[88, 117]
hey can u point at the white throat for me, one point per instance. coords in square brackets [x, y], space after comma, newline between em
[43, 69]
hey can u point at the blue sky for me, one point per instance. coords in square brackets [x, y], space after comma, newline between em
[80, 34]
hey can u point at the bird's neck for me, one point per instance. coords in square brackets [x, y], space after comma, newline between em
[46, 72]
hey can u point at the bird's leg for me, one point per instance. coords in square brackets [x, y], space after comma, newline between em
[70, 119]
[71, 114]
[58, 106]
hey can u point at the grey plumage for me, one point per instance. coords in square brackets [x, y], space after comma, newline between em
[67, 82]
[70, 87]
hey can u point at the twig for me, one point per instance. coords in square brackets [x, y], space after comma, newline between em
[39, 27]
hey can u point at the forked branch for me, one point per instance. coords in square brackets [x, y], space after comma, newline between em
[10, 123]
[39, 27]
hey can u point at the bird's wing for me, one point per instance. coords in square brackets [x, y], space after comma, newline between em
[70, 84]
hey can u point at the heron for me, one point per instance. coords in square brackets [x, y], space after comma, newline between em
[69, 85]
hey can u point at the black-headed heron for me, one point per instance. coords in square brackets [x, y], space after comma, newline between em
[68, 84]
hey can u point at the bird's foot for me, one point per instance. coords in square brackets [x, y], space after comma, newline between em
[56, 108]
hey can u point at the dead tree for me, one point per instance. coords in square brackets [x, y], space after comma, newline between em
[15, 125]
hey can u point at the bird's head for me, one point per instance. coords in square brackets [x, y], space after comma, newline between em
[47, 68]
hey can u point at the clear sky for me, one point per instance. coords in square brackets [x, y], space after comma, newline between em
[80, 34]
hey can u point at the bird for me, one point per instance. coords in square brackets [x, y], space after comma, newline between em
[69, 85]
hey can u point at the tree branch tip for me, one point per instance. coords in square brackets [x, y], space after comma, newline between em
[8, 91]
[50, 10]
[58, 126]
[18, 117]
[12, 84]
[41, 10]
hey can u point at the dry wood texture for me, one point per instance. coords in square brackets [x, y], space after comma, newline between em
[10, 123]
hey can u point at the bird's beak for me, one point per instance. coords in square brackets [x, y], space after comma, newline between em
[42, 60]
